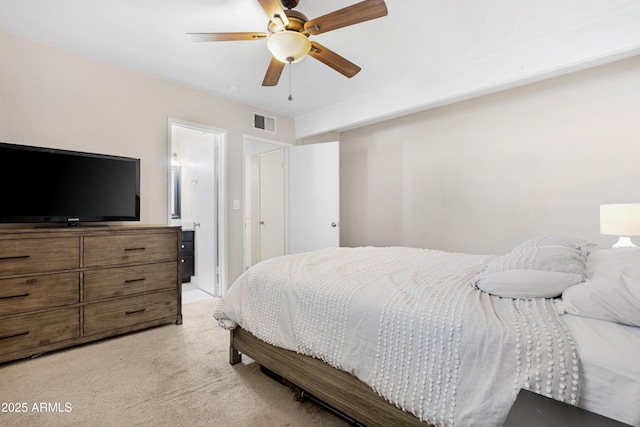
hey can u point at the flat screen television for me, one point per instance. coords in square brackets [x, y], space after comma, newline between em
[46, 185]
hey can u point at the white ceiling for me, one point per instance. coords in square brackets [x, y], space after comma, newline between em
[424, 53]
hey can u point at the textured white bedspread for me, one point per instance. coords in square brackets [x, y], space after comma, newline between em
[610, 377]
[409, 323]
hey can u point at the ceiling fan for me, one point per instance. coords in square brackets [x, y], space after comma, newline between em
[289, 31]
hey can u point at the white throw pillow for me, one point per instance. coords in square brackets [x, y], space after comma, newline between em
[541, 267]
[527, 284]
[612, 289]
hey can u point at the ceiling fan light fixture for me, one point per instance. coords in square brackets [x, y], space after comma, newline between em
[288, 46]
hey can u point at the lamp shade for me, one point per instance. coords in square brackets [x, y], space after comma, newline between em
[622, 219]
[288, 44]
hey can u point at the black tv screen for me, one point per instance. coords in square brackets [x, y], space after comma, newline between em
[61, 186]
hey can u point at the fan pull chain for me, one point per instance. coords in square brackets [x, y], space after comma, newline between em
[290, 60]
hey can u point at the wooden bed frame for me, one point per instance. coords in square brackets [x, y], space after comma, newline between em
[337, 389]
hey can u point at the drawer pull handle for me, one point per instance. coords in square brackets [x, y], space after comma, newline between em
[10, 258]
[134, 249]
[135, 280]
[134, 311]
[19, 334]
[16, 296]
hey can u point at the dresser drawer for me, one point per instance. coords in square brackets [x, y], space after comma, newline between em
[21, 295]
[112, 282]
[39, 255]
[129, 249]
[37, 330]
[113, 315]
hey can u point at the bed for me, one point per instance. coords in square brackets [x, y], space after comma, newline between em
[408, 336]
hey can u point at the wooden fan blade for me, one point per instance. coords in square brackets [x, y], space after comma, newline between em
[359, 12]
[225, 37]
[274, 12]
[273, 73]
[333, 60]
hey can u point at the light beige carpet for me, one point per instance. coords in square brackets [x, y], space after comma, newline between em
[173, 375]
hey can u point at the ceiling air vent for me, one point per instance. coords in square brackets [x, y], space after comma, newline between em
[264, 123]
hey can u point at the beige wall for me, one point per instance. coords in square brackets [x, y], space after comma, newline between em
[477, 176]
[53, 98]
[482, 175]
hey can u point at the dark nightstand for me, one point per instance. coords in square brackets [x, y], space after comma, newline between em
[531, 409]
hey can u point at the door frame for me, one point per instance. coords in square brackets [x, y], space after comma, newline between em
[221, 213]
[247, 140]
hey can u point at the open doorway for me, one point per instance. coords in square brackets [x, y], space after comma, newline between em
[196, 195]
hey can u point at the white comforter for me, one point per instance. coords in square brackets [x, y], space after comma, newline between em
[409, 323]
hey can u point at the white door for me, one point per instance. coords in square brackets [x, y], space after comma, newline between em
[272, 204]
[200, 150]
[314, 197]
[203, 210]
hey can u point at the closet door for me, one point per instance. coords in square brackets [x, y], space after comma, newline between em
[314, 197]
[272, 218]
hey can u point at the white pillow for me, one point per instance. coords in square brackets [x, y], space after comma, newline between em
[541, 267]
[612, 289]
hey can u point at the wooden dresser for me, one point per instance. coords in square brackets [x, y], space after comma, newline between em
[65, 286]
